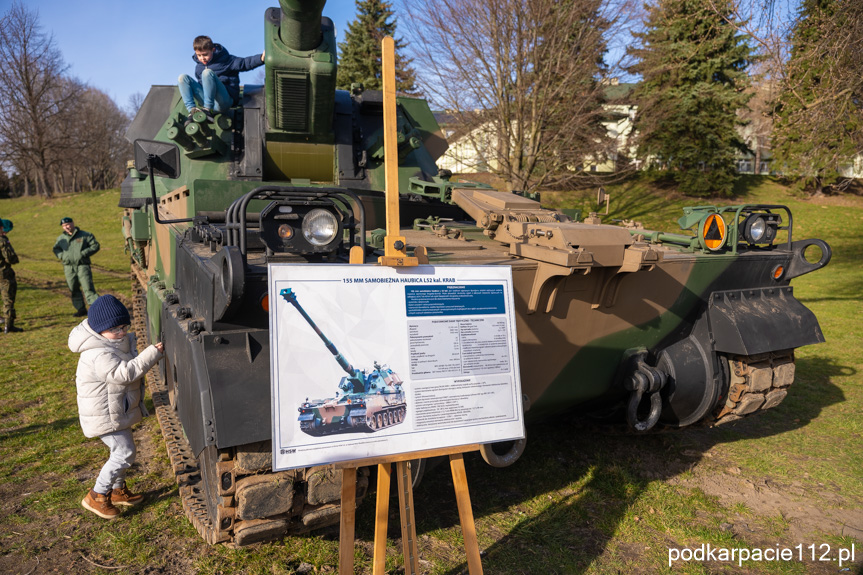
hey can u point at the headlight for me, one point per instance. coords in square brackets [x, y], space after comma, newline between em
[320, 227]
[760, 228]
[301, 229]
[757, 229]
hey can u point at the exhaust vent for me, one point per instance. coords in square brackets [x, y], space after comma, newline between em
[292, 98]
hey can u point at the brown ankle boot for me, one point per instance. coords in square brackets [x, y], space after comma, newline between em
[122, 496]
[100, 505]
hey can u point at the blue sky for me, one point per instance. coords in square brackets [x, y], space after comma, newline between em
[123, 47]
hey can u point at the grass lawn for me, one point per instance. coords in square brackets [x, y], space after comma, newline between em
[584, 498]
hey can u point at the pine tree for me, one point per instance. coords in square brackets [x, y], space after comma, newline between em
[693, 65]
[819, 114]
[360, 53]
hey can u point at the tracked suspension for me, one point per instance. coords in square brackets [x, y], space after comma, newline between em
[758, 382]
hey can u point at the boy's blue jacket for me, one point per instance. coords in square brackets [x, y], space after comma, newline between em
[228, 68]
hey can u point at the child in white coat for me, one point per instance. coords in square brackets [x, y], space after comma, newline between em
[110, 382]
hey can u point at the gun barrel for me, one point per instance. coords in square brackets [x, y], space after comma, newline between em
[291, 298]
[301, 23]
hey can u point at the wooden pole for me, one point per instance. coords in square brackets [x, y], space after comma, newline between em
[348, 517]
[465, 513]
[382, 511]
[395, 252]
[408, 521]
[391, 154]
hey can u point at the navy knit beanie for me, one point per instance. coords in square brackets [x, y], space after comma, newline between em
[107, 312]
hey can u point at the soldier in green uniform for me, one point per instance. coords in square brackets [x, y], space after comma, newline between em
[74, 248]
[8, 285]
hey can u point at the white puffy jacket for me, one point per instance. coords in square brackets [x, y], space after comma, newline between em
[109, 380]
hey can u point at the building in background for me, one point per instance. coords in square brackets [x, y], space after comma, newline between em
[472, 142]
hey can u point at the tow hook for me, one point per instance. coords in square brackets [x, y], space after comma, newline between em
[644, 380]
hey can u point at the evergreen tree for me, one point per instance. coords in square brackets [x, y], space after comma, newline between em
[819, 114]
[693, 65]
[360, 53]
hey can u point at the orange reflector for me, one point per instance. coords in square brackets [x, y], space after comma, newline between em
[713, 232]
[777, 272]
[265, 303]
[286, 232]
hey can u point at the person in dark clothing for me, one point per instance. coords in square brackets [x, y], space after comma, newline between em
[8, 284]
[74, 248]
[217, 87]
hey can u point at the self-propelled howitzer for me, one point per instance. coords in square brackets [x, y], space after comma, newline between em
[661, 329]
[369, 401]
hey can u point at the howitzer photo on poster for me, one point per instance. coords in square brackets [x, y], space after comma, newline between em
[370, 361]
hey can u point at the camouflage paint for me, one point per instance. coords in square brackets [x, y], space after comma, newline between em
[591, 370]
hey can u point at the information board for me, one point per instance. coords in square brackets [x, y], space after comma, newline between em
[369, 361]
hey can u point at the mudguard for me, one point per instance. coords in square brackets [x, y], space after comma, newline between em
[219, 382]
[753, 321]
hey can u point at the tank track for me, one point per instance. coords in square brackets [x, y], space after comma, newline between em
[757, 382]
[232, 496]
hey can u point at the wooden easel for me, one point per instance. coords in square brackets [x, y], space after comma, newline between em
[395, 254]
[406, 509]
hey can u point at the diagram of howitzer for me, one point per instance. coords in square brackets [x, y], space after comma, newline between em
[368, 400]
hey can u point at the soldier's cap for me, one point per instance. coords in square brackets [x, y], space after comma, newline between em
[66, 221]
[7, 225]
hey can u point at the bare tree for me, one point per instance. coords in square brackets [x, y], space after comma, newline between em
[134, 103]
[98, 158]
[36, 102]
[56, 133]
[102, 149]
[519, 76]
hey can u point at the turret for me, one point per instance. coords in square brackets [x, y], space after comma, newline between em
[300, 59]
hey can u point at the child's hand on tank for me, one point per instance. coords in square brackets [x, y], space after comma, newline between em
[160, 346]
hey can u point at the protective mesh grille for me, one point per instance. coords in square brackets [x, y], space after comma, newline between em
[292, 101]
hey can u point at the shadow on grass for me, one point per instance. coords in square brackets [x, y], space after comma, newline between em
[637, 202]
[587, 477]
[630, 200]
[151, 497]
[56, 425]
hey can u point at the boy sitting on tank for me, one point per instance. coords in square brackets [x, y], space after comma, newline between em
[217, 87]
[110, 382]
